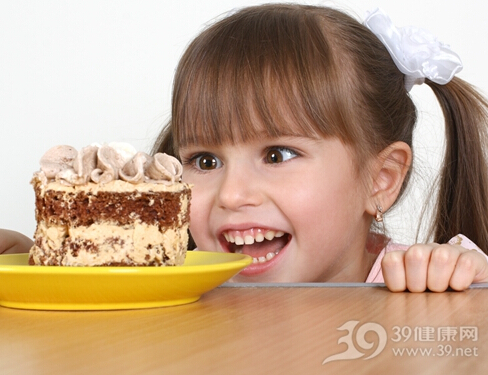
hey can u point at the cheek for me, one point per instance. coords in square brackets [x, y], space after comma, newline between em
[325, 205]
[199, 216]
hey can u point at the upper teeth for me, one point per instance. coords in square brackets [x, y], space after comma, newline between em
[248, 237]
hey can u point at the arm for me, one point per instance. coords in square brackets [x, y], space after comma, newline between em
[14, 242]
[435, 267]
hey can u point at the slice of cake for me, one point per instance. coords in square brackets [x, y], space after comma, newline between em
[109, 206]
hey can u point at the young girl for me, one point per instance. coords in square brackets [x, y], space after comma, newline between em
[295, 126]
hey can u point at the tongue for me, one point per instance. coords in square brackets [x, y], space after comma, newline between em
[261, 249]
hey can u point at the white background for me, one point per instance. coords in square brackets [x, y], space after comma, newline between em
[78, 72]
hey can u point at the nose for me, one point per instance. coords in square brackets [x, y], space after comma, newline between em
[239, 187]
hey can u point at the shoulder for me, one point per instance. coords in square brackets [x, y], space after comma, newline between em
[375, 274]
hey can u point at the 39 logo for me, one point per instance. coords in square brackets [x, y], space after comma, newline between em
[355, 339]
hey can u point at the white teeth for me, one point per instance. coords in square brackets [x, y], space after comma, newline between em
[265, 259]
[239, 240]
[248, 240]
[270, 235]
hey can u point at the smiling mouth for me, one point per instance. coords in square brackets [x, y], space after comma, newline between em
[261, 244]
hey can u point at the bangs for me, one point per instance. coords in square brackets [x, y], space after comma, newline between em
[257, 74]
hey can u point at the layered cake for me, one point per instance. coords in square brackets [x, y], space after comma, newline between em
[108, 205]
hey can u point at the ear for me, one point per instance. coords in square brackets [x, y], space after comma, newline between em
[388, 173]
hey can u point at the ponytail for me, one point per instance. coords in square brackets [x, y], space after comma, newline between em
[462, 203]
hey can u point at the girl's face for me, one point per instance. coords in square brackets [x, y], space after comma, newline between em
[295, 204]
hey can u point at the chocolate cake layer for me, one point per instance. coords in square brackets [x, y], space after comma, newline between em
[85, 208]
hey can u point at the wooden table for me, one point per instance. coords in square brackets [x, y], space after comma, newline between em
[262, 329]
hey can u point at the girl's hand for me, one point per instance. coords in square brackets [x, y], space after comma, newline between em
[14, 242]
[434, 267]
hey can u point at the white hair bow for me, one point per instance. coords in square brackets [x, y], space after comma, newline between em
[417, 53]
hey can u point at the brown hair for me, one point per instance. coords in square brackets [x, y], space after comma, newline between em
[296, 69]
[462, 203]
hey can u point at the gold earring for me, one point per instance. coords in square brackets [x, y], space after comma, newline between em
[379, 214]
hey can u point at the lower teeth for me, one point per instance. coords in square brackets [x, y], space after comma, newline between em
[264, 259]
[268, 257]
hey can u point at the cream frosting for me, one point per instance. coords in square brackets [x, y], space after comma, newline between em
[137, 244]
[102, 164]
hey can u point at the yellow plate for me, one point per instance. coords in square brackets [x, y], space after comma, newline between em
[112, 288]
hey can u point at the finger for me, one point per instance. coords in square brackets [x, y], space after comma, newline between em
[393, 268]
[443, 260]
[417, 259]
[14, 242]
[471, 267]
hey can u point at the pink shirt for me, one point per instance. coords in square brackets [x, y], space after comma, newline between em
[376, 274]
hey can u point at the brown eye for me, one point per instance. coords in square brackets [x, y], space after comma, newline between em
[279, 155]
[207, 162]
[274, 156]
